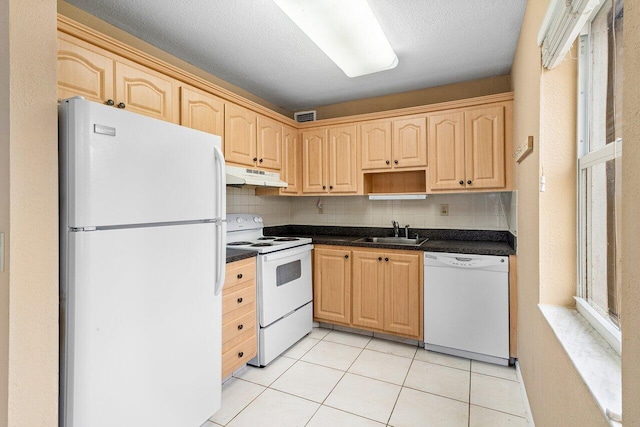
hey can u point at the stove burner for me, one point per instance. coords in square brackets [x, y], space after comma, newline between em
[286, 239]
[261, 245]
[266, 238]
[238, 243]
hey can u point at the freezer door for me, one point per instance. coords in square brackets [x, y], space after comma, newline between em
[142, 334]
[119, 167]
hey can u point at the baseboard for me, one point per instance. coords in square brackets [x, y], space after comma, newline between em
[523, 389]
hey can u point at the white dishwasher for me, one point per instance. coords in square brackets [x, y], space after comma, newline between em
[466, 305]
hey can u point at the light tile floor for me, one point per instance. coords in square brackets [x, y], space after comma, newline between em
[334, 378]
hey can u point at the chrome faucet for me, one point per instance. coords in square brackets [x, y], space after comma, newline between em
[406, 231]
[396, 227]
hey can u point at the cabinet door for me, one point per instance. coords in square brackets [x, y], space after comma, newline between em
[375, 145]
[410, 142]
[343, 173]
[314, 161]
[269, 148]
[145, 91]
[291, 160]
[202, 111]
[240, 135]
[83, 70]
[446, 151]
[331, 285]
[368, 289]
[402, 294]
[484, 147]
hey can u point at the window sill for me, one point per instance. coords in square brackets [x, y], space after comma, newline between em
[596, 362]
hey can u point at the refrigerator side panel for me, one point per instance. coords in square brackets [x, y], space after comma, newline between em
[143, 328]
[125, 168]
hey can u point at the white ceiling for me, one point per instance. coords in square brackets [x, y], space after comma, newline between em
[253, 44]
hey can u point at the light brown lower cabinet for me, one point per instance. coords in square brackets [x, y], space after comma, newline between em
[332, 285]
[239, 321]
[382, 293]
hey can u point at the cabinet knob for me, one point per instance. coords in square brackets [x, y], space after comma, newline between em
[260, 160]
[331, 187]
[239, 300]
[395, 161]
[386, 259]
[121, 105]
[387, 162]
[255, 159]
[324, 187]
[461, 182]
[379, 258]
[346, 257]
[110, 102]
[240, 327]
[240, 276]
[241, 354]
[469, 182]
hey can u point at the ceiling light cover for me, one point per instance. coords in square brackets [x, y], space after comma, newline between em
[346, 30]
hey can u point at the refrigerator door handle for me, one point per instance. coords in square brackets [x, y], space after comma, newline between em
[221, 225]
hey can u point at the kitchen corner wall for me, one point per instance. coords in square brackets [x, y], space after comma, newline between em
[486, 211]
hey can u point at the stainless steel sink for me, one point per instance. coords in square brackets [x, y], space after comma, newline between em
[394, 240]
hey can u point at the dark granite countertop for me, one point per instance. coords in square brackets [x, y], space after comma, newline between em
[234, 255]
[478, 242]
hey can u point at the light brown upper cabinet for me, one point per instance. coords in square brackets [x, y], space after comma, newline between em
[240, 135]
[144, 91]
[291, 160]
[330, 161]
[84, 70]
[269, 148]
[394, 144]
[202, 111]
[100, 76]
[251, 139]
[467, 149]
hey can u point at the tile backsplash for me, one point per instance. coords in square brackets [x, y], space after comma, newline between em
[486, 211]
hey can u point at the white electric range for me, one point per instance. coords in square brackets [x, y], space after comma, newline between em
[284, 299]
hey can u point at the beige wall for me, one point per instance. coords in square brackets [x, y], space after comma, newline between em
[630, 224]
[33, 214]
[91, 21]
[432, 95]
[4, 206]
[544, 106]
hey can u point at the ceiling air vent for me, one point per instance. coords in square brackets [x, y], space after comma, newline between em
[305, 116]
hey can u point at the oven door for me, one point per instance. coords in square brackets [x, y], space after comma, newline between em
[284, 283]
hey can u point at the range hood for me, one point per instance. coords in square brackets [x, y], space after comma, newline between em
[253, 177]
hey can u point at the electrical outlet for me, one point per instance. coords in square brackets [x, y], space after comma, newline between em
[444, 210]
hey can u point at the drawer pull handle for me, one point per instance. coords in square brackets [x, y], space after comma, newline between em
[386, 259]
[379, 258]
[240, 327]
[239, 300]
[240, 276]
[121, 105]
[241, 354]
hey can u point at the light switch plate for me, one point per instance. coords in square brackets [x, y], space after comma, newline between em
[1, 252]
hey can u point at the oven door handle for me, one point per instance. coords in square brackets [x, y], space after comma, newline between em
[286, 253]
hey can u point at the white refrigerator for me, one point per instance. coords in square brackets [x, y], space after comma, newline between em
[142, 230]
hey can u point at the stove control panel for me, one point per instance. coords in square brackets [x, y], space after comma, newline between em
[237, 222]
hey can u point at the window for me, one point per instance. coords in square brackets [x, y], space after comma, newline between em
[599, 165]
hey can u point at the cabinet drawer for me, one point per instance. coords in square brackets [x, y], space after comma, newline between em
[238, 326]
[238, 356]
[243, 336]
[240, 274]
[239, 299]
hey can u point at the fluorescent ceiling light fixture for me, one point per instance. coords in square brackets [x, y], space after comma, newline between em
[397, 196]
[345, 30]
